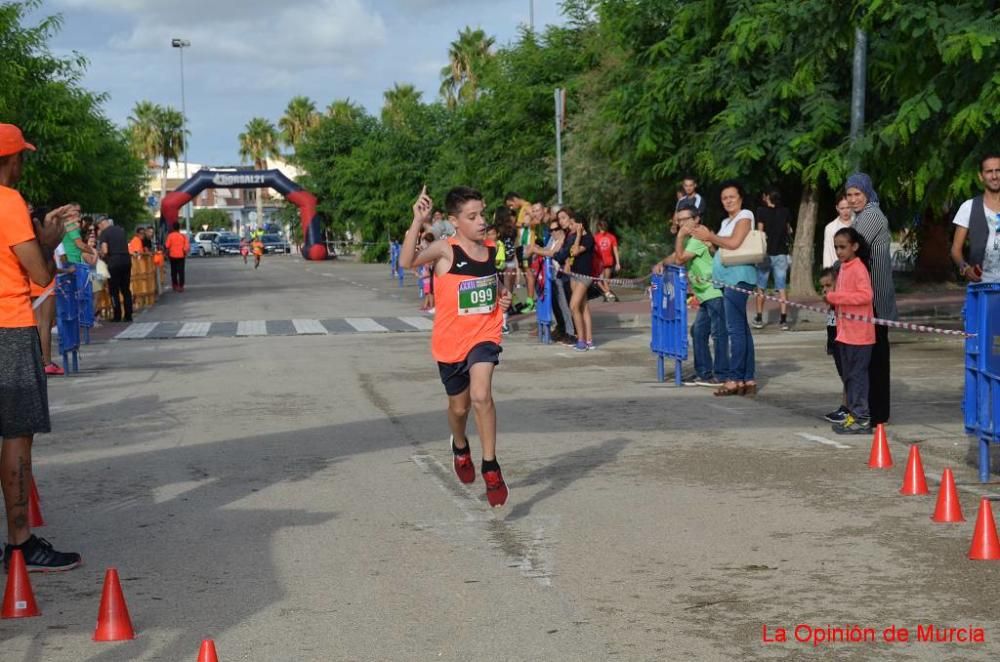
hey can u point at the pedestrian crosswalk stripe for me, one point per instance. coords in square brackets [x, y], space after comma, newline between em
[137, 330]
[251, 328]
[309, 327]
[365, 324]
[422, 323]
[194, 330]
[295, 327]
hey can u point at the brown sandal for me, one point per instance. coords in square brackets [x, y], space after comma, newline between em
[749, 390]
[724, 390]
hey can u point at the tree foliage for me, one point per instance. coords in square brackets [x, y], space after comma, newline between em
[81, 155]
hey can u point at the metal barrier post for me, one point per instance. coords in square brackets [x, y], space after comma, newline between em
[543, 310]
[668, 311]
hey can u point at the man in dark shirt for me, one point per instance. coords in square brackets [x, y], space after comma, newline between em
[690, 188]
[774, 220]
[114, 250]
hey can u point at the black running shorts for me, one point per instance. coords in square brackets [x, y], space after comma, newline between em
[455, 376]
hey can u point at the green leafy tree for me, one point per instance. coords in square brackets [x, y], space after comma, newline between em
[468, 57]
[213, 219]
[258, 142]
[300, 116]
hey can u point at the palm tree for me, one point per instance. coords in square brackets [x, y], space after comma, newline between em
[345, 110]
[299, 117]
[467, 56]
[157, 134]
[257, 142]
[398, 101]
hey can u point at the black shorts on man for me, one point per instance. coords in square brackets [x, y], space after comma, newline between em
[455, 376]
[24, 398]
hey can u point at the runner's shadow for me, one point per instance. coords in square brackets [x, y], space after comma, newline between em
[564, 470]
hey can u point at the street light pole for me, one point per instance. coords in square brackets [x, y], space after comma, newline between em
[531, 15]
[181, 44]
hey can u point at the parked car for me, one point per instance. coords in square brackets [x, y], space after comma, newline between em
[206, 243]
[275, 244]
[228, 243]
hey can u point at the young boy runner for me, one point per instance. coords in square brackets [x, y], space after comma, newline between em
[465, 341]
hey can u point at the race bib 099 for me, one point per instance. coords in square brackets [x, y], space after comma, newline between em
[477, 296]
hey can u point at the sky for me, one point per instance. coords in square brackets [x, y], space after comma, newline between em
[249, 57]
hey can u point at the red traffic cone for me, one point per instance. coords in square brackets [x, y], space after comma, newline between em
[948, 509]
[880, 457]
[18, 598]
[985, 544]
[207, 652]
[35, 518]
[113, 622]
[914, 481]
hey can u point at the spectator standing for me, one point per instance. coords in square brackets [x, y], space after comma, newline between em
[178, 246]
[147, 239]
[845, 217]
[579, 246]
[873, 226]
[775, 221]
[73, 242]
[521, 208]
[560, 284]
[735, 228]
[135, 244]
[711, 318]
[114, 250]
[689, 191]
[606, 247]
[977, 220]
[26, 251]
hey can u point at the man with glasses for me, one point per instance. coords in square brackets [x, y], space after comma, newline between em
[711, 318]
[978, 220]
[845, 217]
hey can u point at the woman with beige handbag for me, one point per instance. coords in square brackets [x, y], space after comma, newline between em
[741, 247]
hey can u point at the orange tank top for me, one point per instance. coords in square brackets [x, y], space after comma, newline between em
[466, 307]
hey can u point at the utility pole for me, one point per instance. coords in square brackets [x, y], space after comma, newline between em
[181, 44]
[531, 15]
[560, 115]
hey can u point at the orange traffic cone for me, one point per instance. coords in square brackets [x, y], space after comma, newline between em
[35, 518]
[113, 622]
[914, 481]
[985, 544]
[207, 652]
[880, 457]
[948, 509]
[18, 598]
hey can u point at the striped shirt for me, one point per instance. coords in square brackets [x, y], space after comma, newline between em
[872, 224]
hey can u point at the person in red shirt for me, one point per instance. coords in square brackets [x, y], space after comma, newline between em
[26, 256]
[606, 246]
[853, 295]
[178, 247]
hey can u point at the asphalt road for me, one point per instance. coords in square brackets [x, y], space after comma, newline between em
[290, 495]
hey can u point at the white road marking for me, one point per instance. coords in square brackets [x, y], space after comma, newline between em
[251, 328]
[307, 327]
[365, 324]
[421, 323]
[822, 440]
[194, 330]
[137, 330]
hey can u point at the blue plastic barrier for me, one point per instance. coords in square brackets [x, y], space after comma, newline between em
[543, 304]
[396, 271]
[68, 321]
[85, 300]
[668, 310]
[981, 398]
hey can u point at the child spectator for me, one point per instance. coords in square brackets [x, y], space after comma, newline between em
[425, 273]
[853, 296]
[827, 281]
[606, 245]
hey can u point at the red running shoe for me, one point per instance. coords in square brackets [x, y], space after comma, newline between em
[496, 488]
[54, 369]
[465, 468]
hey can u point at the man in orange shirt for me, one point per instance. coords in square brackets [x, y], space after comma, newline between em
[136, 244]
[178, 247]
[26, 252]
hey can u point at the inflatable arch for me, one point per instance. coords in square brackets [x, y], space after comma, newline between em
[312, 228]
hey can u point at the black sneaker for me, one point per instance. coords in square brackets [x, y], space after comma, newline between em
[40, 557]
[837, 416]
[690, 380]
[710, 382]
[853, 425]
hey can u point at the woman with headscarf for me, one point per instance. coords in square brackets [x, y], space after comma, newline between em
[872, 224]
